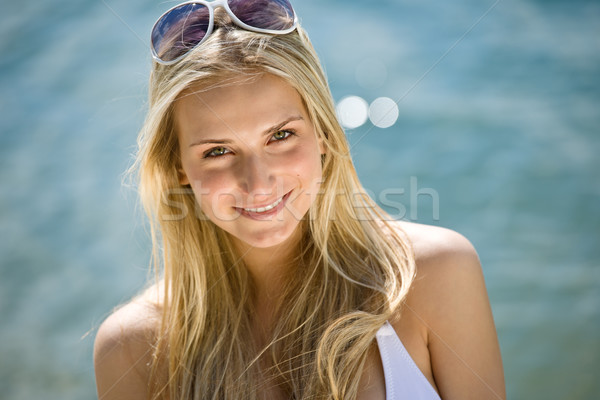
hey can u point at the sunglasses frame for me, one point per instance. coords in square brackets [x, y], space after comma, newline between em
[211, 6]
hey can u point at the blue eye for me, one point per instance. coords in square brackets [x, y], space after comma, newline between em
[216, 152]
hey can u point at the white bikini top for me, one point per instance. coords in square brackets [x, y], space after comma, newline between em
[403, 379]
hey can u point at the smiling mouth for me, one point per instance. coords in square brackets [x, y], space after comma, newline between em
[265, 208]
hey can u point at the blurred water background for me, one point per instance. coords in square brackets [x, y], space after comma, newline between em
[498, 124]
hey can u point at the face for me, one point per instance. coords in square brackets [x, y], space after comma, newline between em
[252, 157]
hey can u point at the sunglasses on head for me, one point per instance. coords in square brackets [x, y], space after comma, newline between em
[187, 25]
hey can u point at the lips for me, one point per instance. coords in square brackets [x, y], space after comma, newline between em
[265, 211]
[266, 208]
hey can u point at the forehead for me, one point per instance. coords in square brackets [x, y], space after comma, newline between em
[239, 105]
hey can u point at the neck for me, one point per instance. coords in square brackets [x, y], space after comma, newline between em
[268, 268]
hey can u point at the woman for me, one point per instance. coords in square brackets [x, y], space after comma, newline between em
[278, 277]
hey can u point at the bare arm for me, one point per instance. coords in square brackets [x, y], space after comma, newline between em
[451, 300]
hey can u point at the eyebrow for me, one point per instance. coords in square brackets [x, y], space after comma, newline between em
[271, 130]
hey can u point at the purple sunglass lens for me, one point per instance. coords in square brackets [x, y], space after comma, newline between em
[264, 14]
[180, 30]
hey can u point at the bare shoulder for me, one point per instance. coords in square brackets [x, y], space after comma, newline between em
[123, 349]
[437, 243]
[443, 258]
[450, 302]
[448, 272]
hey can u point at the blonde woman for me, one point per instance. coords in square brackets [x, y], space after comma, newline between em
[277, 277]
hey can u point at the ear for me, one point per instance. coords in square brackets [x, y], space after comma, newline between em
[182, 176]
[322, 147]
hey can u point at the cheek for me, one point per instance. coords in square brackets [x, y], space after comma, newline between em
[203, 176]
[304, 162]
[305, 169]
[213, 189]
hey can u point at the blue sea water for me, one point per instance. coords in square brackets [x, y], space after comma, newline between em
[498, 137]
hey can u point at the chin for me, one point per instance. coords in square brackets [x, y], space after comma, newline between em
[269, 237]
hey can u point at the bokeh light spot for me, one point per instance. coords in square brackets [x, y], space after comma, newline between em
[352, 111]
[383, 112]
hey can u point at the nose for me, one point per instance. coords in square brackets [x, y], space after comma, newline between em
[256, 177]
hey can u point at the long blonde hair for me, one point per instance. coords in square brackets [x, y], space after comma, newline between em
[353, 272]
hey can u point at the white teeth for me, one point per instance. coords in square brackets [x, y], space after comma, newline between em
[263, 209]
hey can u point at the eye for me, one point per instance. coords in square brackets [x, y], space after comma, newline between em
[216, 152]
[282, 135]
